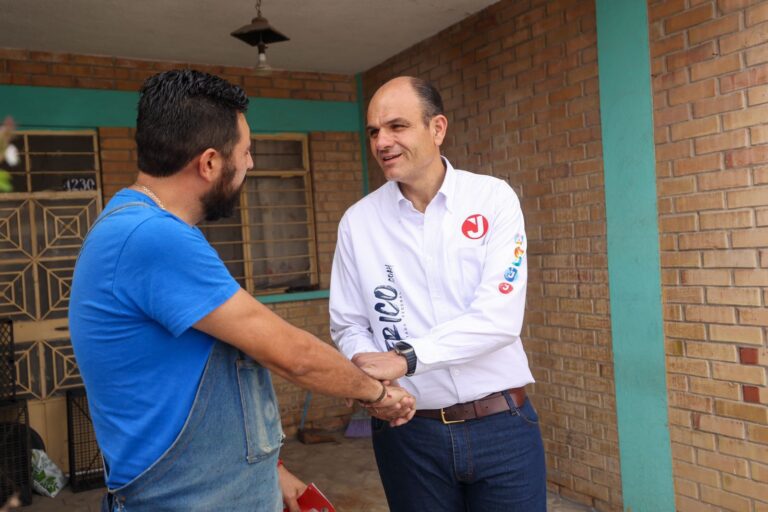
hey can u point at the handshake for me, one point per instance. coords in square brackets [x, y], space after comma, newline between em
[397, 405]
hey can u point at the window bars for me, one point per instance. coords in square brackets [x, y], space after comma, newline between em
[270, 245]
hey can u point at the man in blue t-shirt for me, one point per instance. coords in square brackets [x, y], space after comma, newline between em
[173, 353]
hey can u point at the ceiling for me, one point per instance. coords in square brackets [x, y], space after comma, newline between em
[333, 36]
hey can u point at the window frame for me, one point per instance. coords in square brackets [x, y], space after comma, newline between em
[280, 294]
[26, 154]
[306, 173]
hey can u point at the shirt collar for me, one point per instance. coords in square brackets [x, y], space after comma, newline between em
[446, 190]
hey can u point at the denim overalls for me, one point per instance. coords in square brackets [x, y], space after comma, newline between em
[225, 457]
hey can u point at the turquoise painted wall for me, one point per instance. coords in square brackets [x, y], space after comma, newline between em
[633, 255]
[62, 108]
[293, 297]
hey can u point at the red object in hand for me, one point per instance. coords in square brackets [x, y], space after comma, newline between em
[312, 500]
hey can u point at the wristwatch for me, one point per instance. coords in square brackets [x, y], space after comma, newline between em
[404, 349]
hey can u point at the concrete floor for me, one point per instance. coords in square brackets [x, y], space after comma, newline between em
[344, 470]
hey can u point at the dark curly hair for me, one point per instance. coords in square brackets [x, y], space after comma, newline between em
[181, 114]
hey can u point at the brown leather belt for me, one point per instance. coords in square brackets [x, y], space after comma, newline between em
[491, 404]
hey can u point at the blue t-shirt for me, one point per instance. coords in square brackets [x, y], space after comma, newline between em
[143, 278]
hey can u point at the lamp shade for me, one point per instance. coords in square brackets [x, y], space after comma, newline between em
[258, 31]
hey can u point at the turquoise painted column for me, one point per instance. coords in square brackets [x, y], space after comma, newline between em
[363, 135]
[626, 110]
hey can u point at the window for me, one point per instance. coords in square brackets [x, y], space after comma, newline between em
[270, 245]
[43, 221]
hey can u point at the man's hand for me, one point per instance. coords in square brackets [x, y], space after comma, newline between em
[291, 487]
[381, 365]
[398, 407]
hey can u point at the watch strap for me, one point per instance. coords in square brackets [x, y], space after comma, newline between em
[406, 350]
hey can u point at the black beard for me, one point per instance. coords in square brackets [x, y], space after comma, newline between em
[219, 202]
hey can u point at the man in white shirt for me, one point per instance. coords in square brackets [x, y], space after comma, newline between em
[428, 287]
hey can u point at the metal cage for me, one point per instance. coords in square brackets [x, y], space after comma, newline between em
[7, 365]
[86, 468]
[15, 461]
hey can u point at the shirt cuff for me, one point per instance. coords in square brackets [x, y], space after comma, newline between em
[425, 357]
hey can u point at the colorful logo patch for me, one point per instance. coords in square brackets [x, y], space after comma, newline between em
[519, 251]
[510, 275]
[475, 227]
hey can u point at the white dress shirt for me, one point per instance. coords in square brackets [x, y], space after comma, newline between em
[450, 282]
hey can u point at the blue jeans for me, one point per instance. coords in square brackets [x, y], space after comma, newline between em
[491, 464]
[225, 457]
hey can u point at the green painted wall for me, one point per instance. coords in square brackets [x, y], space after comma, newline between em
[55, 107]
[633, 255]
[293, 297]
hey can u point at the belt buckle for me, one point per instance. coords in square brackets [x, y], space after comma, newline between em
[448, 422]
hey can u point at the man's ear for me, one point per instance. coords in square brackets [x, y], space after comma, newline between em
[438, 127]
[209, 165]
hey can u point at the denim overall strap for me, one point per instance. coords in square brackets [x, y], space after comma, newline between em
[225, 457]
[104, 216]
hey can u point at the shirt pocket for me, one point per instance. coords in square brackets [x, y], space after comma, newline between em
[263, 429]
[471, 260]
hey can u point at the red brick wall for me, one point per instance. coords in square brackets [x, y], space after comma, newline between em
[117, 152]
[24, 67]
[710, 84]
[337, 183]
[324, 411]
[519, 81]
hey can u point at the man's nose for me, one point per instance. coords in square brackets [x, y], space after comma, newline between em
[383, 140]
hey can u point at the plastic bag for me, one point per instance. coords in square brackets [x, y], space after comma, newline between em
[47, 478]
